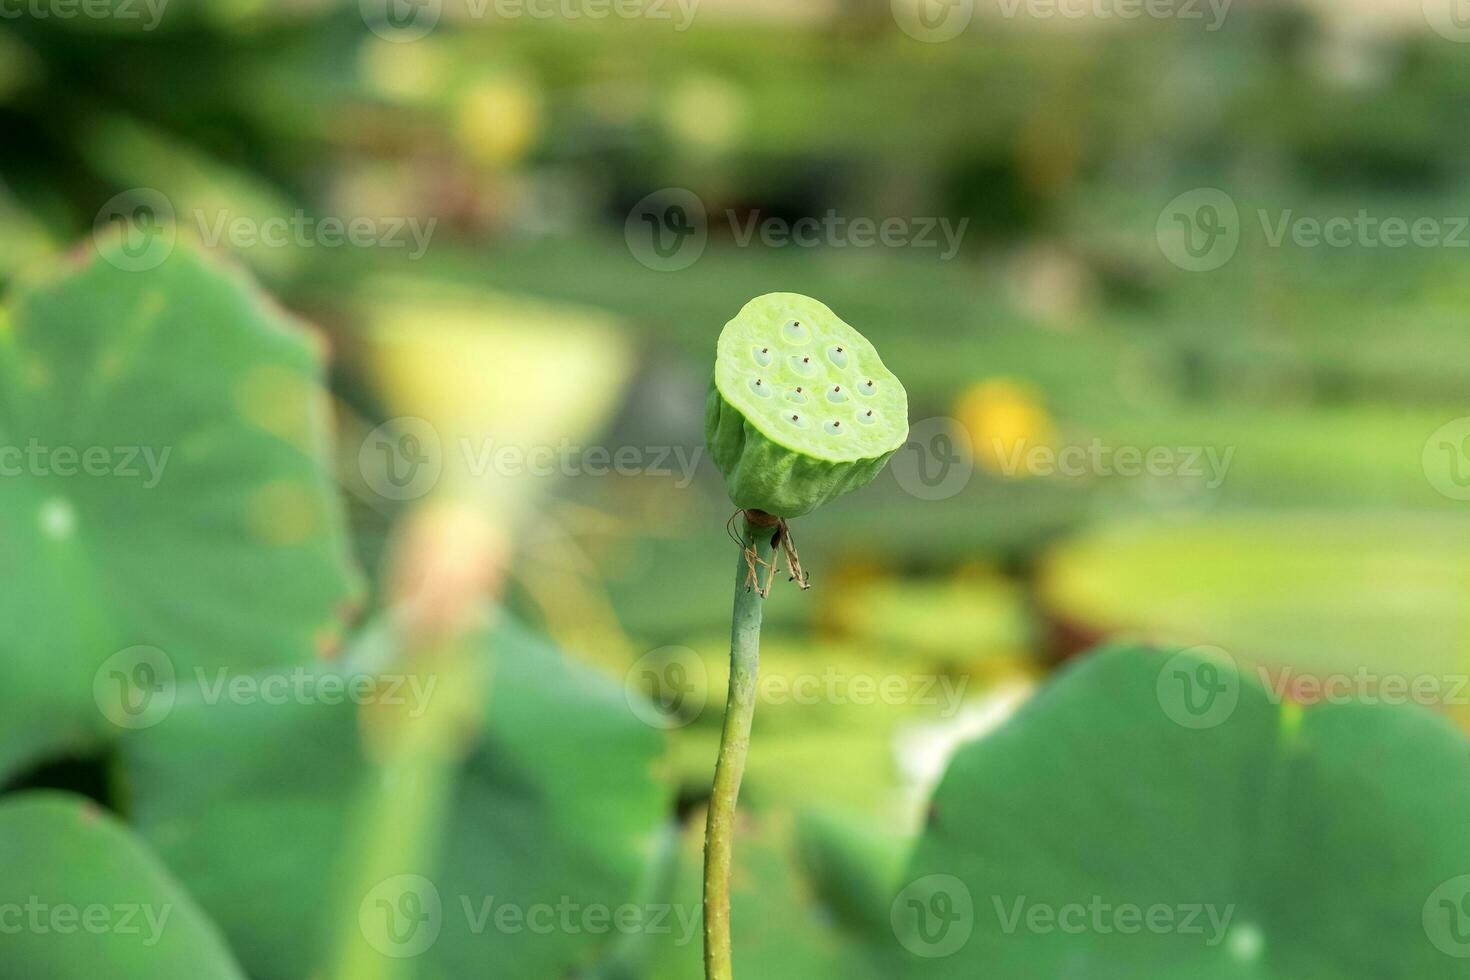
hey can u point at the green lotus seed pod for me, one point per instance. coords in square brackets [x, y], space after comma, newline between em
[801, 409]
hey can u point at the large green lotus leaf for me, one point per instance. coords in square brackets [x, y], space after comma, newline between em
[80, 895]
[557, 801]
[1156, 816]
[205, 526]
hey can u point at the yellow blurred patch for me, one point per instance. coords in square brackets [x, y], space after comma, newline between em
[496, 122]
[1006, 420]
[272, 397]
[283, 512]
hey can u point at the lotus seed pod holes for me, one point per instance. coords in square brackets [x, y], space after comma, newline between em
[810, 382]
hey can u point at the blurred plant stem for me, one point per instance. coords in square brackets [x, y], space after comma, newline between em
[745, 638]
[449, 562]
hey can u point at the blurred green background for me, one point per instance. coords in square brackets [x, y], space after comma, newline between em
[1148, 401]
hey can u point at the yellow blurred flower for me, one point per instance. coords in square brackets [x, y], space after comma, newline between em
[1006, 420]
[706, 113]
[498, 121]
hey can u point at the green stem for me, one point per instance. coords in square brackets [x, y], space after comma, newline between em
[745, 639]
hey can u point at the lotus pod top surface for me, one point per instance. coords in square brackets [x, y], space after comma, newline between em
[805, 384]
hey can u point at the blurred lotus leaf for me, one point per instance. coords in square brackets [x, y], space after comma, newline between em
[81, 890]
[249, 803]
[165, 508]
